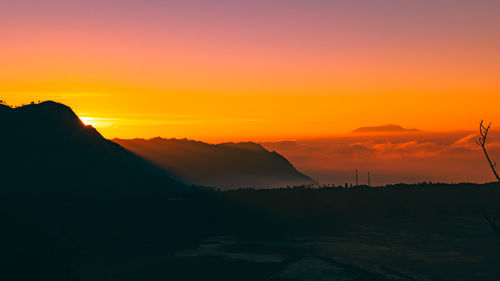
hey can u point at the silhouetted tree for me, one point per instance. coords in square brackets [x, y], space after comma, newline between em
[481, 141]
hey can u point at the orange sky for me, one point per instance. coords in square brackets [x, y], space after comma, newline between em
[262, 71]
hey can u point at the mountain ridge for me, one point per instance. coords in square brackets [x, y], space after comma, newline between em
[223, 165]
[48, 144]
[387, 128]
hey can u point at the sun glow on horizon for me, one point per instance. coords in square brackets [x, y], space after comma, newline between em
[88, 121]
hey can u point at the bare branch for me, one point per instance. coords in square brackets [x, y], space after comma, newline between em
[478, 142]
[481, 141]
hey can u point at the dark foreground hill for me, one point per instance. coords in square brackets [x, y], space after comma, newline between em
[409, 233]
[225, 165]
[46, 146]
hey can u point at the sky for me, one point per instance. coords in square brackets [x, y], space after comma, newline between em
[255, 70]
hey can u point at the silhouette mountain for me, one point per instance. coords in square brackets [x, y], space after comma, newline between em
[225, 165]
[389, 128]
[47, 145]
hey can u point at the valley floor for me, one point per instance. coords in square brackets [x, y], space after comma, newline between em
[462, 248]
[394, 233]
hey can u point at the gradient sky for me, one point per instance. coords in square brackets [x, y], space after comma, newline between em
[261, 70]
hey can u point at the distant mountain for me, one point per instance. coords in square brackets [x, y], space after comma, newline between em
[225, 165]
[46, 145]
[389, 128]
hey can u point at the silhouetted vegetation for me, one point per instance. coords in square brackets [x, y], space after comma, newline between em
[481, 141]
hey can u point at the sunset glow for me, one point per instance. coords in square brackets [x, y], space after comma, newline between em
[89, 121]
[260, 70]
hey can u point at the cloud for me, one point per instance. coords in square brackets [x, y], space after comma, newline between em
[466, 142]
[448, 157]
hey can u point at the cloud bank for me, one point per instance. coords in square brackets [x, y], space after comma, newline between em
[392, 158]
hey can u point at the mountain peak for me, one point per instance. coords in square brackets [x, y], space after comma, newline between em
[384, 129]
[47, 106]
[48, 142]
[249, 145]
[49, 116]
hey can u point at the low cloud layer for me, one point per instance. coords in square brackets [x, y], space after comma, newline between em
[437, 157]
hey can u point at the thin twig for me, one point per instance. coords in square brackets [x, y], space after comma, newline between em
[481, 141]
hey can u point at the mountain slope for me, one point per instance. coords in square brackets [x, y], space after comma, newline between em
[226, 165]
[47, 145]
